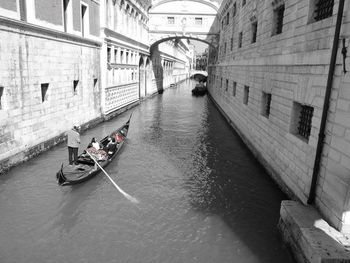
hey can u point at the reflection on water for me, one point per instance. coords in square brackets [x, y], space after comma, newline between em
[203, 197]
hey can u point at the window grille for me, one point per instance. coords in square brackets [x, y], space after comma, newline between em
[324, 9]
[305, 117]
[171, 20]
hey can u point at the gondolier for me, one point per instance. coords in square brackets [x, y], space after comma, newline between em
[73, 142]
[89, 162]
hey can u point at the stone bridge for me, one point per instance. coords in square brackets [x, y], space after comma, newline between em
[192, 19]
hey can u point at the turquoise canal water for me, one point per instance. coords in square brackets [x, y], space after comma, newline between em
[202, 196]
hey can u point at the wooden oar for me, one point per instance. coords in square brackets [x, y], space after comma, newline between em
[127, 196]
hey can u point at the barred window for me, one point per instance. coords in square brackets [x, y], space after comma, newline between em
[198, 21]
[246, 95]
[240, 37]
[44, 88]
[278, 15]
[266, 104]
[171, 20]
[234, 88]
[254, 31]
[302, 120]
[304, 128]
[323, 9]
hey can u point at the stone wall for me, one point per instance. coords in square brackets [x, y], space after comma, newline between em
[49, 83]
[292, 67]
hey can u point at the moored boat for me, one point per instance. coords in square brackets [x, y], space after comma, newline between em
[86, 167]
[199, 89]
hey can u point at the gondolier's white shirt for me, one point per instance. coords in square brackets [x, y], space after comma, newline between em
[73, 139]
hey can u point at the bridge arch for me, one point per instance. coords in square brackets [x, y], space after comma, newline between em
[157, 42]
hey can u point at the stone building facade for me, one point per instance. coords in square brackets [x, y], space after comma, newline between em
[68, 62]
[270, 79]
[125, 53]
[49, 73]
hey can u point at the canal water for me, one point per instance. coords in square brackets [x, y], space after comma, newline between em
[202, 196]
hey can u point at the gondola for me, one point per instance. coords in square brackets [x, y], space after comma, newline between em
[86, 168]
[200, 89]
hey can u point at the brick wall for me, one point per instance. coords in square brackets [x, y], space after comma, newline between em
[293, 68]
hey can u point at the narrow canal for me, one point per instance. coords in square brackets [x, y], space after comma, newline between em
[202, 196]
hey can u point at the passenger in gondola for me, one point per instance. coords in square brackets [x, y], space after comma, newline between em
[94, 144]
[111, 146]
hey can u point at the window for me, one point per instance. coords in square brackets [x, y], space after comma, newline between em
[75, 85]
[254, 31]
[65, 14]
[246, 95]
[44, 88]
[243, 2]
[108, 54]
[234, 9]
[115, 55]
[240, 37]
[171, 20]
[198, 21]
[23, 10]
[1, 93]
[227, 18]
[95, 82]
[121, 56]
[278, 15]
[84, 21]
[231, 46]
[265, 104]
[225, 47]
[234, 89]
[221, 84]
[301, 120]
[323, 9]
[226, 89]
[127, 58]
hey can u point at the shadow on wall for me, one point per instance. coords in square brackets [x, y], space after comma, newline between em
[157, 68]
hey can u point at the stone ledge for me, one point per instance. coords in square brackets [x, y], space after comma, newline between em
[311, 238]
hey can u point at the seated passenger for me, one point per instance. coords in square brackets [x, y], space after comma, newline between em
[111, 146]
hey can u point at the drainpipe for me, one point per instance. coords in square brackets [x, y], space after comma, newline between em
[321, 134]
